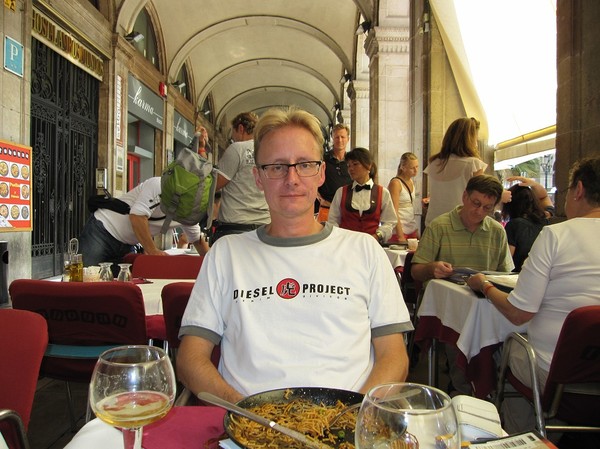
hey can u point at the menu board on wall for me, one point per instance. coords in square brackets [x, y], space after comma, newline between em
[15, 187]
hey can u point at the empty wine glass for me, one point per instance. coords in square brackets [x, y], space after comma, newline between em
[408, 416]
[132, 386]
[124, 274]
[106, 272]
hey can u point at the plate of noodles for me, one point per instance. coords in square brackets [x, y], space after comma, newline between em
[308, 410]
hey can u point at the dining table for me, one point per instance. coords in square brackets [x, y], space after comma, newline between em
[397, 256]
[198, 427]
[184, 427]
[453, 314]
[152, 289]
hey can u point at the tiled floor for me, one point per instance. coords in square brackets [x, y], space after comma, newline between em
[49, 427]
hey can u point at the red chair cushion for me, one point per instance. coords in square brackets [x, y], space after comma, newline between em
[23, 340]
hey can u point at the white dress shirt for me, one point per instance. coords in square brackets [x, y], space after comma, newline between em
[361, 201]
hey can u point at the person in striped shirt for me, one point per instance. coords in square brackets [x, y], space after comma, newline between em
[467, 236]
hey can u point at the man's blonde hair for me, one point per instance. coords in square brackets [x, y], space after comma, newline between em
[277, 118]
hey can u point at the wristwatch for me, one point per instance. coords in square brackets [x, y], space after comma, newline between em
[379, 235]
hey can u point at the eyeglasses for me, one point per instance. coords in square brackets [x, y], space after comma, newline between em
[304, 169]
[477, 204]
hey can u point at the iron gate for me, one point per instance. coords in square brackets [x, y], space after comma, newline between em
[64, 137]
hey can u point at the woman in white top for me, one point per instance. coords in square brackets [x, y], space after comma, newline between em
[402, 190]
[560, 274]
[449, 170]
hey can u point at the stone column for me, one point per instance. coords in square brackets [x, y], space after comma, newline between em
[389, 68]
[15, 117]
[578, 92]
[360, 113]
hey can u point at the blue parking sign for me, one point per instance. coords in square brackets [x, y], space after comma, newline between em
[13, 56]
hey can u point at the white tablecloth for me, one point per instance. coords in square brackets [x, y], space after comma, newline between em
[97, 435]
[152, 294]
[396, 256]
[476, 320]
[182, 251]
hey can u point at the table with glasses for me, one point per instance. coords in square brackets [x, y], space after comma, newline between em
[454, 314]
[397, 256]
[183, 428]
[152, 289]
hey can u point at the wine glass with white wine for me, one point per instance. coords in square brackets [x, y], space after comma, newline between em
[406, 416]
[132, 386]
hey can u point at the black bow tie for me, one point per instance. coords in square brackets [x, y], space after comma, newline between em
[358, 188]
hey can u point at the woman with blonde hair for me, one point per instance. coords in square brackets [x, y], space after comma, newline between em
[402, 191]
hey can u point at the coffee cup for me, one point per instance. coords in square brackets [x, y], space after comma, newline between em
[413, 244]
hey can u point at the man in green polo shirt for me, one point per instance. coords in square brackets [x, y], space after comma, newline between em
[467, 236]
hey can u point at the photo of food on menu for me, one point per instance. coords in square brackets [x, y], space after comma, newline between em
[15, 187]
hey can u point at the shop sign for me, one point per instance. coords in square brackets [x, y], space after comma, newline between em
[119, 110]
[62, 42]
[13, 56]
[15, 187]
[183, 129]
[143, 103]
[10, 4]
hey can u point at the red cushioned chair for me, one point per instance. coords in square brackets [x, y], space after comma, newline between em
[84, 319]
[12, 430]
[167, 267]
[572, 391]
[411, 292]
[23, 340]
[175, 297]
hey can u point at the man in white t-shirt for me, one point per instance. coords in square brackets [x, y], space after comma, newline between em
[108, 235]
[243, 206]
[275, 299]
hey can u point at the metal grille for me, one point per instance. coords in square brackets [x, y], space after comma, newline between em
[64, 137]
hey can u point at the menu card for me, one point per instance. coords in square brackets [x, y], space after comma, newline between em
[527, 440]
[15, 187]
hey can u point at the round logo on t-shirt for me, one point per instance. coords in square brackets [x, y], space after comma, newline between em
[288, 288]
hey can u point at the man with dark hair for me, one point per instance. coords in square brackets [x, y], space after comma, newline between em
[336, 170]
[467, 236]
[243, 206]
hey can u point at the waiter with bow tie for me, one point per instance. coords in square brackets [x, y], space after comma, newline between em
[363, 205]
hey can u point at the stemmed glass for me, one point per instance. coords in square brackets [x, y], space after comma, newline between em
[106, 272]
[124, 274]
[132, 386]
[406, 415]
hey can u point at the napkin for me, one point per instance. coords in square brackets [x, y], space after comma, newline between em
[228, 444]
[141, 281]
[184, 428]
[477, 418]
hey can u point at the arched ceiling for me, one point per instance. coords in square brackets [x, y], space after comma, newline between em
[252, 55]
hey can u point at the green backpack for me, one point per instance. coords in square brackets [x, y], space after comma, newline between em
[188, 187]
